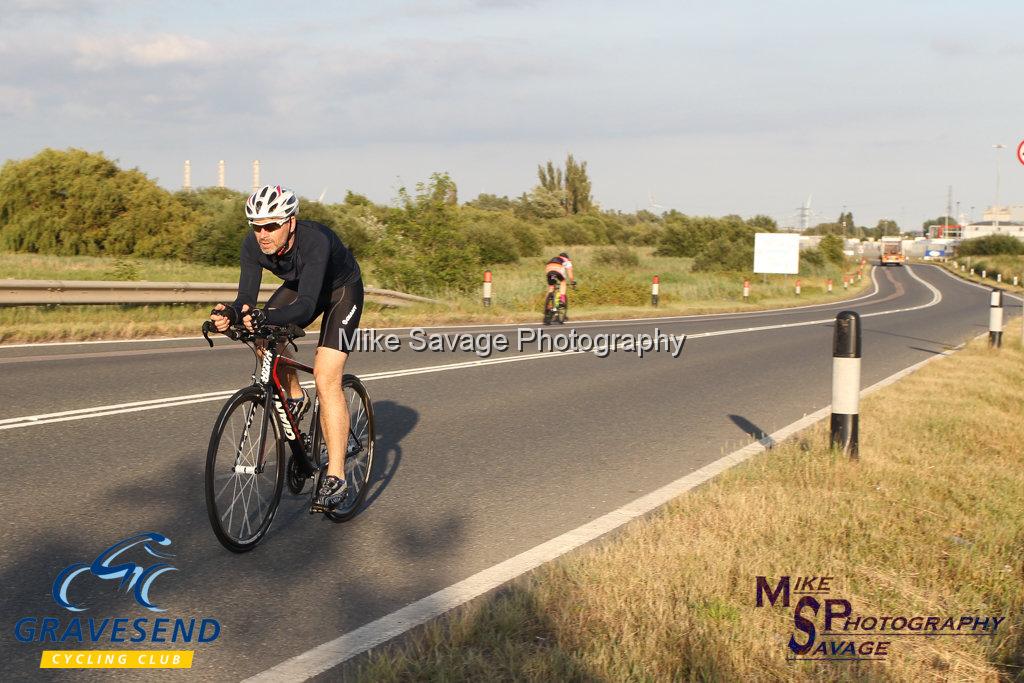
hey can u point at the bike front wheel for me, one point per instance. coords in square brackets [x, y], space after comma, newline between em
[244, 471]
[358, 449]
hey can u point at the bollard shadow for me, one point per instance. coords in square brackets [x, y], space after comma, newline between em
[933, 351]
[748, 427]
[943, 344]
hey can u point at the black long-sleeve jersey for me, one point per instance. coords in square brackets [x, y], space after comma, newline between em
[317, 264]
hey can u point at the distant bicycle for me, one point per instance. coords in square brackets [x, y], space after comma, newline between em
[245, 462]
[554, 312]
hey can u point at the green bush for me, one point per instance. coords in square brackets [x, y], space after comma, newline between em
[615, 288]
[424, 247]
[618, 256]
[811, 258]
[991, 245]
[73, 202]
[493, 244]
[569, 231]
[726, 253]
[689, 235]
[831, 248]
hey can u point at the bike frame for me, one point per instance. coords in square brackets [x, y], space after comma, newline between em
[275, 402]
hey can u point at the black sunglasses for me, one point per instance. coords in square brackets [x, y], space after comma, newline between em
[269, 227]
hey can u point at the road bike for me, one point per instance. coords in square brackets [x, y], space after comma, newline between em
[556, 311]
[553, 313]
[246, 467]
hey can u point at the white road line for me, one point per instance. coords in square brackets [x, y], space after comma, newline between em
[173, 401]
[154, 404]
[332, 653]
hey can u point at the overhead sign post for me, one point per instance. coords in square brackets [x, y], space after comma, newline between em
[776, 252]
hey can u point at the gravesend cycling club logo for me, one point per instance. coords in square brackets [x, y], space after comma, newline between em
[133, 565]
[846, 635]
[136, 577]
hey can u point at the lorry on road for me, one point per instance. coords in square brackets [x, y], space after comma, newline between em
[891, 252]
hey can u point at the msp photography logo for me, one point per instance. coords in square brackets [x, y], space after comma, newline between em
[134, 564]
[828, 629]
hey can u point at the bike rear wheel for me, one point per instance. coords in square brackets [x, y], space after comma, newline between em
[358, 450]
[243, 485]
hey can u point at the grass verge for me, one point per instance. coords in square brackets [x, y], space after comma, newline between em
[1007, 266]
[928, 522]
[604, 292]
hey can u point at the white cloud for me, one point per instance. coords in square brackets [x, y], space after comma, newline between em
[15, 101]
[97, 53]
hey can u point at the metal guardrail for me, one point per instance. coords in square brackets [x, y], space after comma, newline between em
[86, 292]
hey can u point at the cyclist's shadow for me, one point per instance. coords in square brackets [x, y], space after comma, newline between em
[393, 423]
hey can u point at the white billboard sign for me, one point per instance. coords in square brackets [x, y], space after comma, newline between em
[776, 252]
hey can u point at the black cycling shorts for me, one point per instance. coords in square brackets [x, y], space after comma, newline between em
[341, 308]
[554, 277]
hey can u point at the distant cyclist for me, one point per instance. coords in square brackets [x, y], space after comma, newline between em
[558, 272]
[320, 276]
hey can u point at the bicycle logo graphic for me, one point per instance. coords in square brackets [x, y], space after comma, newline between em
[133, 576]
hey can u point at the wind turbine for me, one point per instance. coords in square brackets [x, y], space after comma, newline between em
[320, 199]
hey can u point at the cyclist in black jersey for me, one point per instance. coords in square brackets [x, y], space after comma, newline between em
[320, 276]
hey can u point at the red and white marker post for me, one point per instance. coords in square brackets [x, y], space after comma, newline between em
[487, 288]
[798, 287]
[746, 291]
[828, 285]
[655, 285]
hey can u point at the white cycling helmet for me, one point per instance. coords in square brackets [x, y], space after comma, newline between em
[271, 201]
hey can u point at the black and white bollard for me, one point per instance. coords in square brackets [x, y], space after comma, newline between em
[846, 383]
[1014, 280]
[995, 319]
[999, 277]
[984, 274]
[655, 285]
[746, 291]
[487, 288]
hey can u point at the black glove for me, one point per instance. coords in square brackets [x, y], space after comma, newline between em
[259, 318]
[574, 285]
[228, 312]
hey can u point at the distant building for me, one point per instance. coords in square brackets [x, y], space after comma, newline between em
[1004, 214]
[992, 227]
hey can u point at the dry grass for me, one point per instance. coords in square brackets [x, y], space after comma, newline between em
[1009, 266]
[930, 521]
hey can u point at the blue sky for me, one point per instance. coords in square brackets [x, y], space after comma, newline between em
[746, 107]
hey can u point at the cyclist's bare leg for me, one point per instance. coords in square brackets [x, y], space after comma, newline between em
[562, 288]
[328, 369]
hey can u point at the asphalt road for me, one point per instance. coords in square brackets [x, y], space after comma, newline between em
[474, 464]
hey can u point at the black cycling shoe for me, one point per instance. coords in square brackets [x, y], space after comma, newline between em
[332, 492]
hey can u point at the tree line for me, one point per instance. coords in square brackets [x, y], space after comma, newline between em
[73, 202]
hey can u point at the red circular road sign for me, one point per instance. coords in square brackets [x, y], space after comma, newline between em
[1020, 152]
